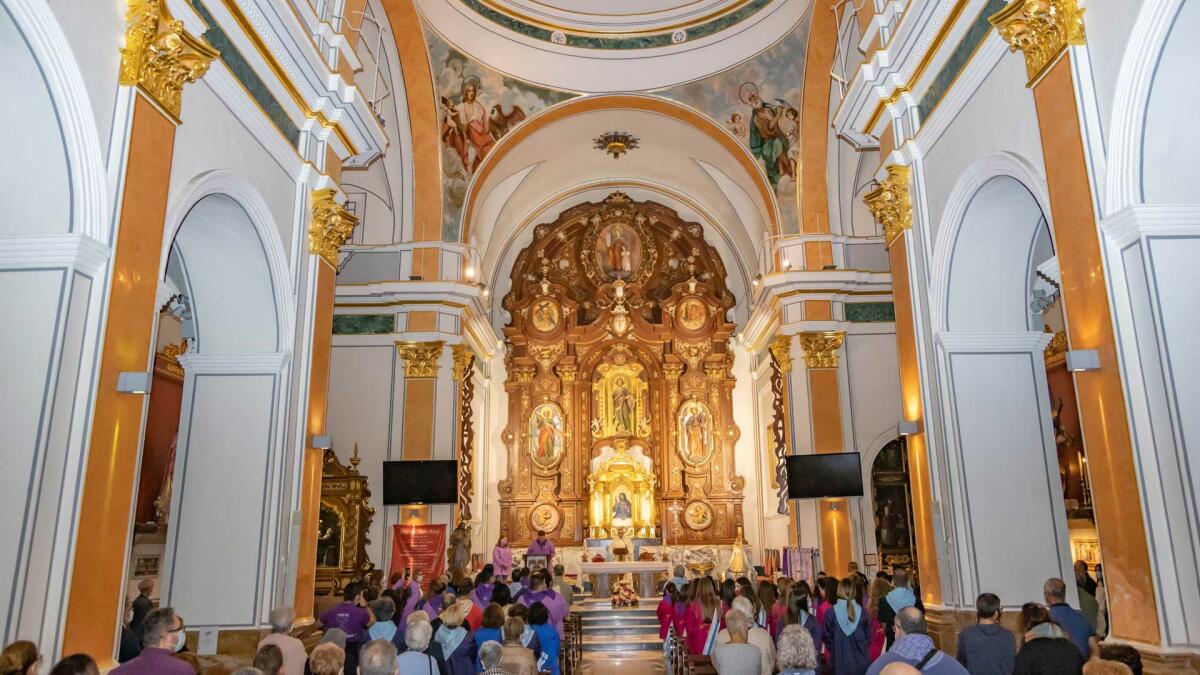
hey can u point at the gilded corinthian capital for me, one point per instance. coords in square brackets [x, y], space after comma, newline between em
[781, 350]
[1040, 29]
[420, 358]
[821, 347]
[159, 56]
[331, 226]
[890, 203]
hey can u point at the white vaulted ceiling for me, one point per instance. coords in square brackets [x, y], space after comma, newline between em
[616, 46]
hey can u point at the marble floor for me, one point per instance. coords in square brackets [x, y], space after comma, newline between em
[622, 663]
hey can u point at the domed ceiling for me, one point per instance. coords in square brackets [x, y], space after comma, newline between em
[616, 46]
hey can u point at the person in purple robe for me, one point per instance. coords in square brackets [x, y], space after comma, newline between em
[432, 602]
[541, 546]
[484, 587]
[540, 591]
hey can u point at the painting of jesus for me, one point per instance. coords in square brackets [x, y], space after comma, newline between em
[545, 434]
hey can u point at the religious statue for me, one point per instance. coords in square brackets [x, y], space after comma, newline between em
[694, 427]
[737, 561]
[459, 554]
[622, 402]
[622, 509]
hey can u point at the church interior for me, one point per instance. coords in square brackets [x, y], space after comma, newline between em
[304, 295]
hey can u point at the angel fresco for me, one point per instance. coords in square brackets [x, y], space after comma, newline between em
[470, 128]
[769, 127]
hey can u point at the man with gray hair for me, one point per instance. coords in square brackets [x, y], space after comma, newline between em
[1071, 620]
[417, 656]
[490, 654]
[162, 637]
[897, 599]
[562, 586]
[914, 647]
[378, 657]
[755, 635]
[294, 654]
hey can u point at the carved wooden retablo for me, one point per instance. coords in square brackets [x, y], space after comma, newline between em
[619, 379]
[344, 518]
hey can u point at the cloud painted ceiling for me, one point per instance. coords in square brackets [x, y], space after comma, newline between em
[757, 100]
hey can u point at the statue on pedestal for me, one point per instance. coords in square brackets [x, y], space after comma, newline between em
[737, 562]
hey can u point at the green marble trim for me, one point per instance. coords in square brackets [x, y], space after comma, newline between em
[245, 74]
[870, 312]
[700, 30]
[958, 59]
[363, 324]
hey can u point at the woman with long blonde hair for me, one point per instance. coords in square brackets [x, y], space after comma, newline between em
[702, 620]
[847, 634]
[878, 590]
[780, 608]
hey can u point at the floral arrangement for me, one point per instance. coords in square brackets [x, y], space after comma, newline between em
[623, 595]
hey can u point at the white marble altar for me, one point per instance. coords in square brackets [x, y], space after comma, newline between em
[603, 571]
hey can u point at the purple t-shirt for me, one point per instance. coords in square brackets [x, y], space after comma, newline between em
[540, 548]
[350, 618]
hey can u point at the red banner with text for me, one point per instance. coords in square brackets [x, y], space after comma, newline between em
[419, 548]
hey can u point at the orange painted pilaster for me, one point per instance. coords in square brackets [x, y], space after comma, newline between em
[1102, 412]
[97, 588]
[919, 477]
[423, 117]
[825, 401]
[814, 120]
[314, 459]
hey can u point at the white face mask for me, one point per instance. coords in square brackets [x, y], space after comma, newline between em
[179, 639]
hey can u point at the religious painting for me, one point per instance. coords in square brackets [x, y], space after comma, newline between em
[691, 314]
[544, 518]
[893, 506]
[758, 102]
[546, 434]
[622, 510]
[620, 395]
[618, 251]
[545, 314]
[477, 106]
[698, 515]
[329, 537]
[695, 432]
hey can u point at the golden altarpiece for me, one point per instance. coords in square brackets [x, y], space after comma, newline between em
[619, 381]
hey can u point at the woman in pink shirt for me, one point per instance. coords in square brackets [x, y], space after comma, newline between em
[701, 615]
[502, 560]
[666, 610]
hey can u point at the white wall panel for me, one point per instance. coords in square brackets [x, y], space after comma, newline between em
[215, 568]
[360, 411]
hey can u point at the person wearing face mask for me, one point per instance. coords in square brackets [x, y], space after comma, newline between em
[162, 636]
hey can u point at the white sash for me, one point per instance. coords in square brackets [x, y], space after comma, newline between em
[713, 629]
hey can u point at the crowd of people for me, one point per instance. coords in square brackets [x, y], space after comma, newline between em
[509, 620]
[852, 626]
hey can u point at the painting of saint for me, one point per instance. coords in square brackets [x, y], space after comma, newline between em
[622, 509]
[545, 315]
[692, 313]
[545, 434]
[466, 126]
[622, 407]
[768, 128]
[618, 251]
[695, 432]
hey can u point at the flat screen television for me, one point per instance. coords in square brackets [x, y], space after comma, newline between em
[824, 475]
[420, 482]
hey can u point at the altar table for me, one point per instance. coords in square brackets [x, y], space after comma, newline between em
[645, 570]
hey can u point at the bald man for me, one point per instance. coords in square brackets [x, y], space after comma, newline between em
[914, 647]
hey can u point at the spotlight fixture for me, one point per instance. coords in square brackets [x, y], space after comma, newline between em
[470, 272]
[908, 427]
[616, 143]
[787, 263]
[134, 382]
[1080, 360]
[322, 442]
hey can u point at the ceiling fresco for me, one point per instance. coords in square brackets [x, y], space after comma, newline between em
[757, 101]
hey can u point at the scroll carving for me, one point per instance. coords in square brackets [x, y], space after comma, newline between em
[781, 363]
[464, 362]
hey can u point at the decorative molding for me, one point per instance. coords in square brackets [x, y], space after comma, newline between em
[890, 203]
[821, 348]
[331, 226]
[420, 358]
[1007, 342]
[271, 363]
[781, 352]
[75, 251]
[160, 56]
[1041, 30]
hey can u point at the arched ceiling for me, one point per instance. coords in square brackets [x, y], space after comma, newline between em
[683, 161]
[620, 45]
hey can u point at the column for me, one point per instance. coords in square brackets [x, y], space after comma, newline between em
[892, 207]
[331, 227]
[464, 366]
[96, 590]
[420, 414]
[781, 368]
[821, 370]
[1043, 32]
